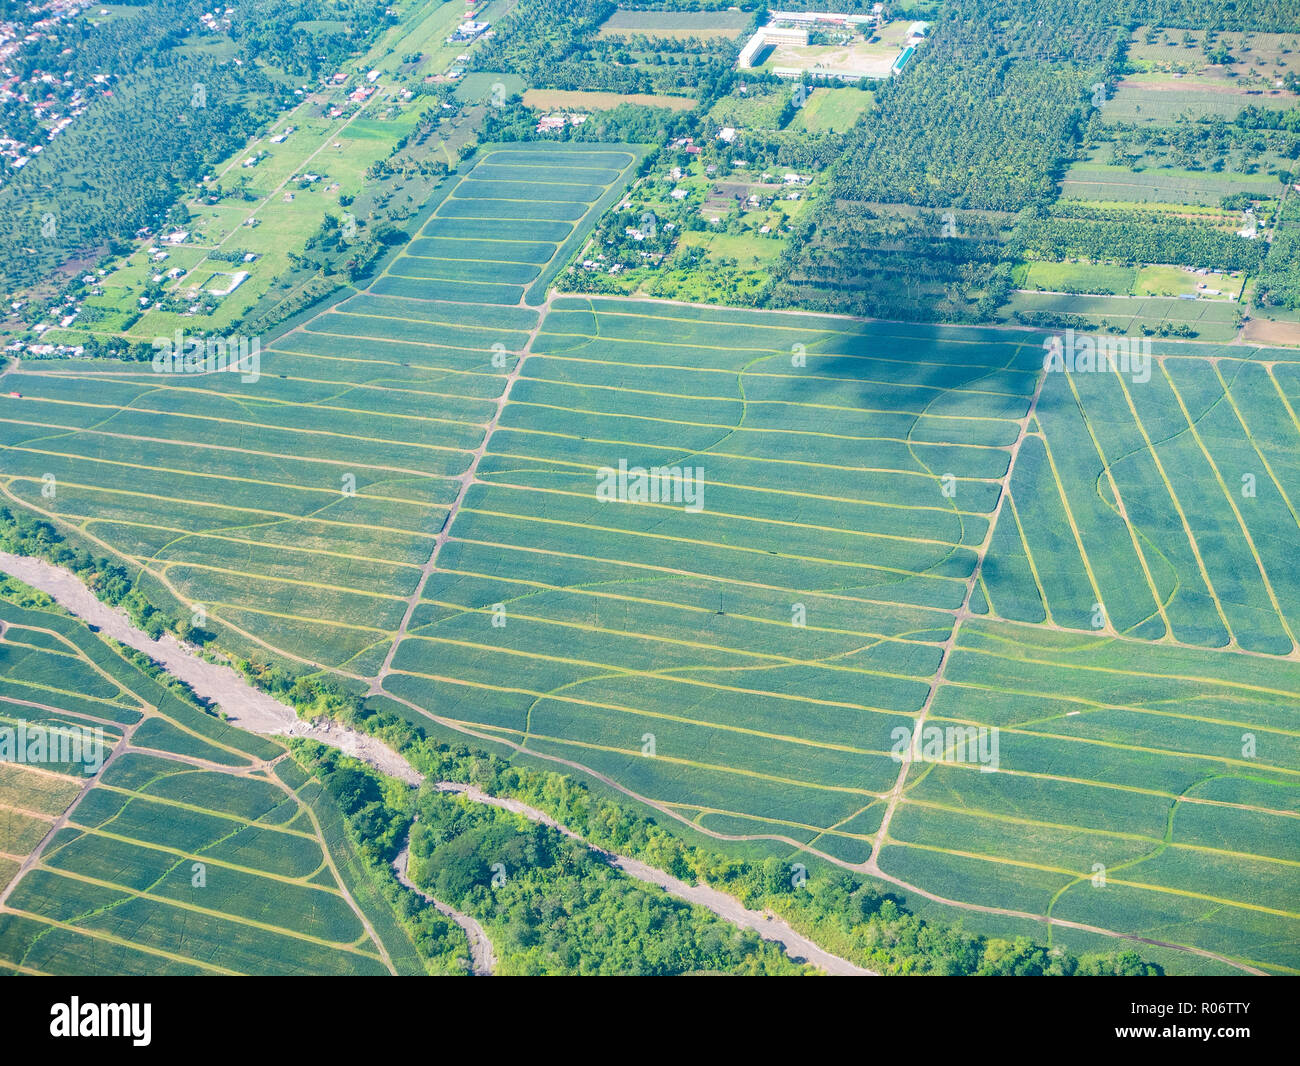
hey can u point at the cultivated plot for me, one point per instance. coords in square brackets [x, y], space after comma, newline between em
[757, 645]
[1145, 789]
[166, 841]
[1159, 508]
[296, 507]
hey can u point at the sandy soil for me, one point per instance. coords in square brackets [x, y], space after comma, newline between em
[1266, 332]
[224, 686]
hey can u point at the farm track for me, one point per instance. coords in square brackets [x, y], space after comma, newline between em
[482, 958]
[467, 479]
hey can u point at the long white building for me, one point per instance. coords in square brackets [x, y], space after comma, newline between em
[769, 35]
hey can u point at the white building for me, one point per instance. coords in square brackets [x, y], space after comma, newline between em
[769, 35]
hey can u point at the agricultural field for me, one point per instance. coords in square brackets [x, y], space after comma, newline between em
[1167, 185]
[560, 99]
[1204, 319]
[592, 469]
[752, 644]
[1250, 58]
[184, 846]
[745, 666]
[675, 25]
[1161, 99]
[299, 508]
[1173, 522]
[1142, 787]
[873, 522]
[1187, 164]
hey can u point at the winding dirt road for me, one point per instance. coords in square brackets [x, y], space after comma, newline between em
[482, 958]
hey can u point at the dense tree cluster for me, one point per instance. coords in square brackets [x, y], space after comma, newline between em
[1279, 278]
[306, 38]
[879, 261]
[553, 906]
[1132, 236]
[980, 121]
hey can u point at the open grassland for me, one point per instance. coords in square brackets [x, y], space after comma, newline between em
[299, 508]
[1118, 280]
[832, 109]
[193, 850]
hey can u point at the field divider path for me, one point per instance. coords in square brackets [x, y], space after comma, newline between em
[872, 864]
[468, 478]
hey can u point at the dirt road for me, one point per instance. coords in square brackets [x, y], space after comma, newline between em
[482, 959]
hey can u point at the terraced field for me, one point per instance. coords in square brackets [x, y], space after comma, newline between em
[196, 849]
